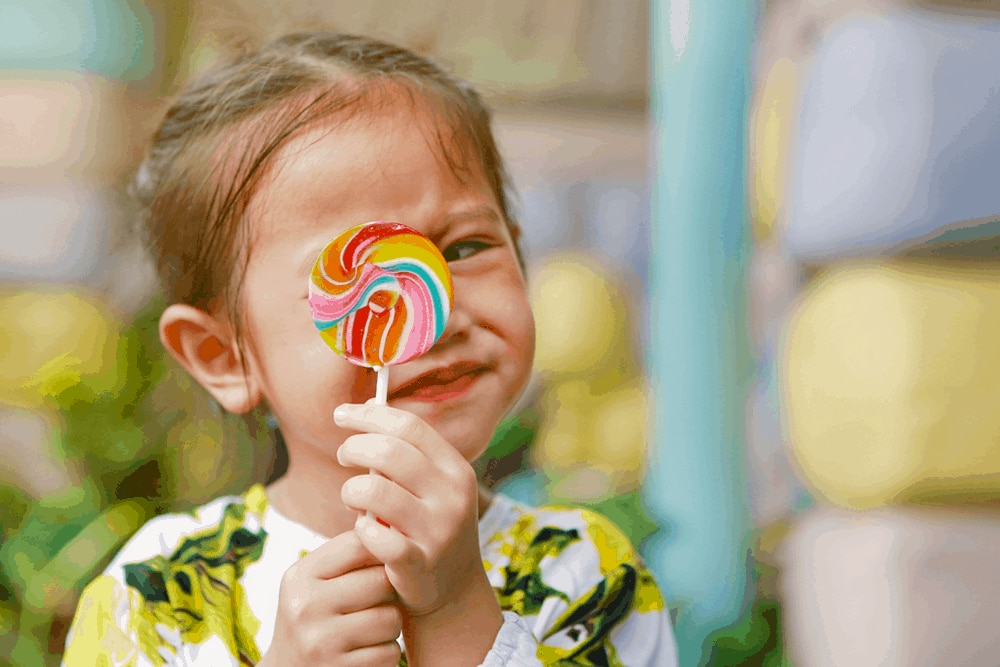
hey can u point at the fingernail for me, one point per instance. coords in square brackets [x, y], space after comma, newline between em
[370, 530]
[341, 412]
[357, 485]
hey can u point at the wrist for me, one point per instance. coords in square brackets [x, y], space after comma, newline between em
[478, 600]
[460, 632]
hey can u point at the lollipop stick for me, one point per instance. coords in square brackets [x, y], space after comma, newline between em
[382, 385]
[381, 398]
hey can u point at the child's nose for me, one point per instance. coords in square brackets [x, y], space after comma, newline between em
[457, 328]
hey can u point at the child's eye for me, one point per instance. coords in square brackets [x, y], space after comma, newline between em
[463, 249]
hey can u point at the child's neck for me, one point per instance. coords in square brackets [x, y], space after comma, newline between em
[313, 500]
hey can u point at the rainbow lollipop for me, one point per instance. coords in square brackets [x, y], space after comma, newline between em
[380, 294]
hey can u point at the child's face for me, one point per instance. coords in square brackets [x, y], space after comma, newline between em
[384, 166]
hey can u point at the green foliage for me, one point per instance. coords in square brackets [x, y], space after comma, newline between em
[754, 641]
[114, 435]
[508, 454]
[513, 435]
[629, 513]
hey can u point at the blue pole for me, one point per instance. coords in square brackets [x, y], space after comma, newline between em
[700, 360]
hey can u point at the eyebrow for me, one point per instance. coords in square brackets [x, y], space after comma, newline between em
[472, 212]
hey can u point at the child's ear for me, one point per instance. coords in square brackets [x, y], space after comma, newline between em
[204, 345]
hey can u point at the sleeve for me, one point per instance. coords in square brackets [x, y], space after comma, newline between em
[515, 646]
[578, 593]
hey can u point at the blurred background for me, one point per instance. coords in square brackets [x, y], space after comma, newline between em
[763, 257]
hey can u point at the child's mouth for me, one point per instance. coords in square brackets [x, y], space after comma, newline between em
[440, 385]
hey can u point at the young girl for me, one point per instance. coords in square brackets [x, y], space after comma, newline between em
[252, 172]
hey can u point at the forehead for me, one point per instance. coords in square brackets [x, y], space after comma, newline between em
[268, 140]
[393, 157]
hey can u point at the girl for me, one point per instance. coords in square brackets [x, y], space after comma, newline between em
[252, 172]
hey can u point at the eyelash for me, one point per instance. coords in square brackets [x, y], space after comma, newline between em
[453, 252]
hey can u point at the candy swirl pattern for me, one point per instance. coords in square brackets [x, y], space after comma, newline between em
[380, 294]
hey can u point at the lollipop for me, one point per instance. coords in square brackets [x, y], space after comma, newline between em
[380, 294]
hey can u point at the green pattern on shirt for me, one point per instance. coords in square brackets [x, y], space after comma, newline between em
[197, 589]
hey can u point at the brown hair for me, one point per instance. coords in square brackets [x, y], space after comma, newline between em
[214, 146]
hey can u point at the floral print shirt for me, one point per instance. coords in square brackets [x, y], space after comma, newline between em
[201, 589]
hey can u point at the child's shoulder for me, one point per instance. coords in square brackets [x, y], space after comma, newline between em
[218, 524]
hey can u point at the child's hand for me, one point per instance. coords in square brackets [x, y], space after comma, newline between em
[335, 607]
[427, 493]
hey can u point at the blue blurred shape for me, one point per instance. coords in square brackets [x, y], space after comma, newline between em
[108, 37]
[898, 140]
[700, 359]
[526, 486]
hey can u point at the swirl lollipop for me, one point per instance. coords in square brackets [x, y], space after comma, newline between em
[380, 294]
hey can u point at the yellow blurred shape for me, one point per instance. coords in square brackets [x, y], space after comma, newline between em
[51, 341]
[8, 620]
[592, 435]
[596, 441]
[620, 423]
[892, 382]
[200, 456]
[579, 315]
[771, 125]
[558, 442]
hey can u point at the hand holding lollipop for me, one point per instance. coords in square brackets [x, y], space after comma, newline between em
[380, 294]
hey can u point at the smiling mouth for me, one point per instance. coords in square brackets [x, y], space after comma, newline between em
[441, 384]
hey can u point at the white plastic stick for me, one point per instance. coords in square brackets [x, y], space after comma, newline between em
[381, 397]
[382, 385]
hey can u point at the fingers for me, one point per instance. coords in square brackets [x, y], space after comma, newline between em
[349, 593]
[367, 637]
[391, 457]
[337, 605]
[371, 627]
[385, 499]
[387, 544]
[387, 653]
[361, 589]
[386, 420]
[336, 556]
